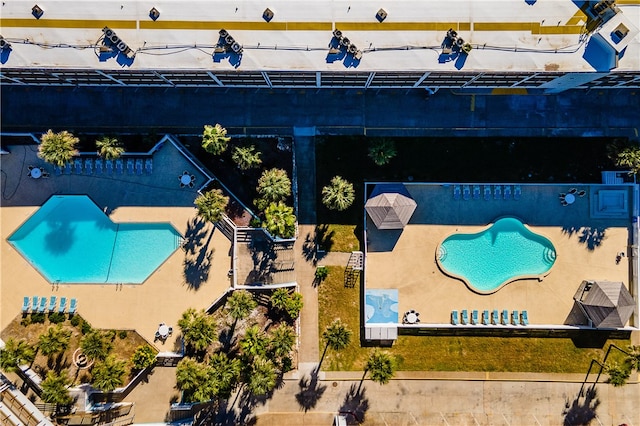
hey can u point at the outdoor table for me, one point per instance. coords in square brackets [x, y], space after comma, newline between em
[35, 173]
[163, 330]
[185, 179]
[570, 198]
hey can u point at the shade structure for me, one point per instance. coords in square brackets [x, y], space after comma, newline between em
[607, 304]
[390, 206]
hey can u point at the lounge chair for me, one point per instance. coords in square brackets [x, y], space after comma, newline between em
[130, 166]
[474, 317]
[494, 317]
[487, 192]
[505, 317]
[99, 166]
[582, 193]
[454, 317]
[507, 192]
[515, 318]
[456, 192]
[464, 317]
[497, 192]
[466, 192]
[26, 302]
[52, 303]
[63, 305]
[67, 168]
[43, 305]
[139, 166]
[78, 166]
[524, 318]
[517, 192]
[108, 165]
[148, 166]
[573, 190]
[476, 192]
[34, 304]
[119, 166]
[73, 306]
[485, 317]
[88, 166]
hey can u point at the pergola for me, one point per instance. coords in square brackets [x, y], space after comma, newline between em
[605, 304]
[390, 206]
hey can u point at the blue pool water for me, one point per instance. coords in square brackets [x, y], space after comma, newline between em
[496, 256]
[70, 240]
[381, 306]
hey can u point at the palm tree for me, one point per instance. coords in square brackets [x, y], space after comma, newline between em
[198, 329]
[57, 148]
[380, 366]
[280, 220]
[55, 340]
[246, 157]
[95, 345]
[143, 357]
[107, 375]
[55, 388]
[336, 336]
[240, 304]
[381, 151]
[15, 354]
[339, 194]
[281, 340]
[254, 343]
[214, 139]
[263, 376]
[279, 299]
[629, 157]
[224, 372]
[190, 374]
[618, 374]
[211, 205]
[109, 148]
[273, 186]
[283, 302]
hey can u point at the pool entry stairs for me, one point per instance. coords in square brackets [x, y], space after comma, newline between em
[354, 267]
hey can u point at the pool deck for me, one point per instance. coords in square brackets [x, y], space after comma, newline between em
[157, 197]
[586, 248]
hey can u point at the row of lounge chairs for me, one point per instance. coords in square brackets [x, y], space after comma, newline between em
[98, 166]
[496, 318]
[497, 192]
[39, 305]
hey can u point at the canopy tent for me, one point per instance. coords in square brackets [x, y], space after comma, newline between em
[606, 304]
[390, 206]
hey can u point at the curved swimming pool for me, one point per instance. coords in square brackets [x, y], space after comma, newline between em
[504, 252]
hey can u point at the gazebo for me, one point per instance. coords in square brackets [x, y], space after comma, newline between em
[605, 304]
[390, 206]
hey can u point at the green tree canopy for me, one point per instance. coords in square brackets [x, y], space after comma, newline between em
[198, 329]
[57, 148]
[109, 148]
[211, 205]
[214, 139]
[633, 357]
[618, 374]
[285, 302]
[337, 335]
[190, 374]
[263, 377]
[15, 354]
[339, 194]
[55, 388]
[224, 373]
[381, 151]
[380, 366]
[280, 220]
[96, 345]
[143, 357]
[246, 157]
[281, 340]
[240, 304]
[108, 374]
[55, 340]
[254, 342]
[273, 186]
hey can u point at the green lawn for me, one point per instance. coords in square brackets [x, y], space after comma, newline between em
[429, 353]
[338, 238]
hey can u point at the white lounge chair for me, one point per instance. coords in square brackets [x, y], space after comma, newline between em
[507, 192]
[119, 166]
[99, 166]
[517, 192]
[139, 166]
[43, 305]
[515, 318]
[466, 192]
[454, 317]
[487, 192]
[476, 192]
[456, 192]
[464, 317]
[130, 166]
[63, 304]
[148, 166]
[78, 166]
[73, 306]
[88, 166]
[497, 192]
[26, 302]
[52, 303]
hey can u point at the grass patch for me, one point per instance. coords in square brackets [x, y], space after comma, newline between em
[448, 353]
[337, 238]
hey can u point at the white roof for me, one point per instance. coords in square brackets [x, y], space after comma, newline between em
[507, 35]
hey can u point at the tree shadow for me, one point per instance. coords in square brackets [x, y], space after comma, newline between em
[194, 235]
[590, 236]
[263, 257]
[582, 409]
[310, 390]
[197, 261]
[355, 404]
[309, 248]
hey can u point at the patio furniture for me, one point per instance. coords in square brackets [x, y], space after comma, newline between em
[454, 317]
[497, 192]
[78, 166]
[494, 317]
[43, 305]
[88, 166]
[466, 192]
[456, 192]
[485, 317]
[57, 170]
[582, 193]
[139, 166]
[524, 318]
[562, 195]
[26, 302]
[464, 317]
[573, 190]
[507, 192]
[109, 166]
[474, 317]
[119, 166]
[67, 168]
[73, 306]
[34, 304]
[63, 304]
[411, 317]
[52, 303]
[99, 166]
[148, 166]
[570, 198]
[170, 331]
[517, 192]
[130, 166]
[163, 330]
[476, 192]
[505, 317]
[487, 192]
[515, 318]
[35, 172]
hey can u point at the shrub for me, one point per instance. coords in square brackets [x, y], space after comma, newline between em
[122, 334]
[76, 320]
[143, 357]
[57, 317]
[26, 321]
[85, 328]
[37, 318]
[322, 272]
[111, 335]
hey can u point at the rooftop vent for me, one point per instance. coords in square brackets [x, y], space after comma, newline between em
[381, 15]
[37, 11]
[4, 44]
[267, 15]
[117, 42]
[154, 13]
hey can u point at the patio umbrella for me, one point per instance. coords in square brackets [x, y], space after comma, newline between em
[390, 206]
[607, 304]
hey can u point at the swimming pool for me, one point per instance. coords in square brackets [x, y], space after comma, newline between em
[70, 240]
[504, 252]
